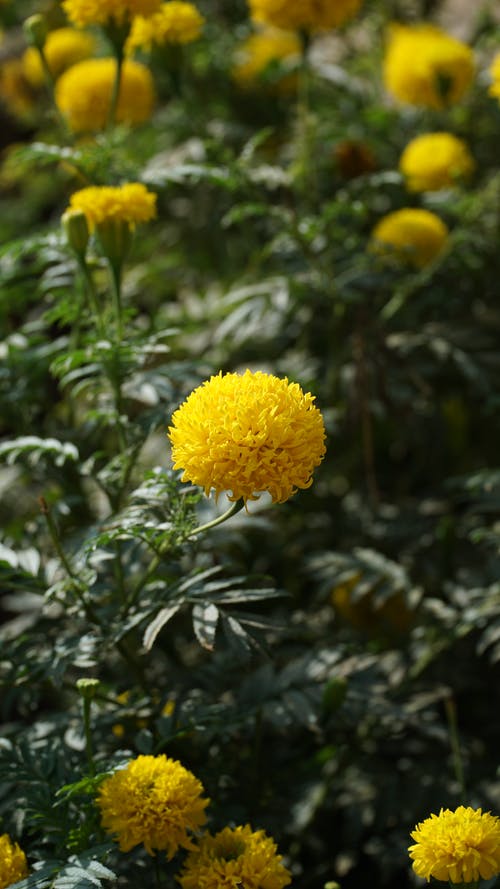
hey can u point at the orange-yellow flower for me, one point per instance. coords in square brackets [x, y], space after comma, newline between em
[153, 801]
[458, 847]
[264, 60]
[130, 203]
[427, 67]
[13, 864]
[234, 857]
[410, 235]
[176, 22]
[308, 15]
[245, 434]
[83, 94]
[63, 47]
[435, 160]
[107, 12]
[494, 89]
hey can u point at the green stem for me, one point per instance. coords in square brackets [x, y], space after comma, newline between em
[91, 292]
[54, 535]
[116, 280]
[88, 736]
[304, 165]
[51, 86]
[157, 560]
[113, 105]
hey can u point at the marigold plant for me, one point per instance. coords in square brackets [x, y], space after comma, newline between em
[13, 864]
[494, 89]
[234, 857]
[175, 22]
[84, 91]
[104, 12]
[309, 15]
[435, 160]
[245, 434]
[257, 55]
[414, 235]
[427, 67]
[131, 203]
[153, 801]
[64, 47]
[458, 847]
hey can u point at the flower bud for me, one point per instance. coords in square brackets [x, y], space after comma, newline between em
[77, 230]
[36, 30]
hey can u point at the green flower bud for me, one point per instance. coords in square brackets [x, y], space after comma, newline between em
[36, 30]
[77, 230]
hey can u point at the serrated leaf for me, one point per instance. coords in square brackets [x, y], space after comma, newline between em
[156, 625]
[205, 620]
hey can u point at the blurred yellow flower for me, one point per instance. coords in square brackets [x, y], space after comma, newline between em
[83, 94]
[435, 160]
[264, 59]
[494, 89]
[425, 66]
[458, 847]
[246, 434]
[308, 15]
[413, 235]
[15, 91]
[64, 47]
[131, 203]
[105, 12]
[155, 801]
[355, 600]
[13, 864]
[234, 857]
[175, 22]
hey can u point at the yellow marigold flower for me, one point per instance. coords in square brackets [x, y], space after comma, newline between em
[234, 857]
[494, 89]
[105, 12]
[155, 801]
[257, 56]
[425, 66]
[83, 94]
[175, 22]
[15, 91]
[308, 15]
[64, 47]
[246, 434]
[435, 160]
[131, 203]
[13, 864]
[460, 847]
[410, 234]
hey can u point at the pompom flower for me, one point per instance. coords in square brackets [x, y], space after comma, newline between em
[64, 47]
[425, 66]
[13, 864]
[175, 22]
[246, 434]
[131, 203]
[83, 94]
[264, 58]
[234, 857]
[155, 801]
[460, 847]
[411, 234]
[307, 15]
[107, 12]
[494, 89]
[435, 160]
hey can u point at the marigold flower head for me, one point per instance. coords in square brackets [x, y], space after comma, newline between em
[106, 12]
[63, 47]
[131, 203]
[15, 91]
[234, 857]
[260, 53]
[13, 864]
[307, 15]
[155, 801]
[83, 94]
[246, 434]
[411, 234]
[435, 160]
[425, 66]
[460, 847]
[494, 89]
[175, 22]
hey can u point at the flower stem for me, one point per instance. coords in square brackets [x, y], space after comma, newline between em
[456, 752]
[233, 509]
[88, 736]
[115, 95]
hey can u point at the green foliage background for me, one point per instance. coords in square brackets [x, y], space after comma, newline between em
[327, 667]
